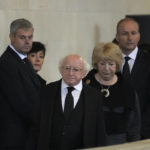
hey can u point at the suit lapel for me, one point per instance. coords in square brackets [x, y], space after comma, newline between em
[137, 64]
[89, 118]
[26, 70]
[49, 95]
[30, 71]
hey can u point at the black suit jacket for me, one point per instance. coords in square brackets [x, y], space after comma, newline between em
[18, 98]
[93, 126]
[42, 81]
[140, 79]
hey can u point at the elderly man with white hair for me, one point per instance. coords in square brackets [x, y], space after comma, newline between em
[70, 125]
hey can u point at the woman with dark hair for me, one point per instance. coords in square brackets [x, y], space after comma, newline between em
[36, 56]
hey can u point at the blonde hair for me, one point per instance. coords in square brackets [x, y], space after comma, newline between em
[107, 51]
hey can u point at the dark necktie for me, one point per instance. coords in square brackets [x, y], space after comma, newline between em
[126, 69]
[68, 103]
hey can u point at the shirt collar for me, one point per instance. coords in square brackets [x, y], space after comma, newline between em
[77, 87]
[133, 54]
[19, 54]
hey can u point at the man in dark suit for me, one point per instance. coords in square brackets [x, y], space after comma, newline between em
[85, 126]
[128, 37]
[18, 88]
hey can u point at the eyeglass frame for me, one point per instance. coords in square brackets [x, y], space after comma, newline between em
[73, 69]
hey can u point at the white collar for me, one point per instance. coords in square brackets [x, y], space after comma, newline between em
[19, 54]
[133, 54]
[77, 86]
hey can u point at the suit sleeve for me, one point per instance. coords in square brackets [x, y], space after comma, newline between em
[134, 124]
[13, 90]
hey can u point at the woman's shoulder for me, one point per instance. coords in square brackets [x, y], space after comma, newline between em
[89, 77]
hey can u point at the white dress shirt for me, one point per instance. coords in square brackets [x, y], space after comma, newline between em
[132, 55]
[75, 93]
[19, 54]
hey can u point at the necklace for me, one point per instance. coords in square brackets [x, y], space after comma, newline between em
[105, 91]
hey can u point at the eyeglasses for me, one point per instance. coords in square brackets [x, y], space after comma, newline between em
[73, 69]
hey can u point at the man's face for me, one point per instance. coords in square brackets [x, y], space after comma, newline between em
[128, 36]
[72, 70]
[22, 40]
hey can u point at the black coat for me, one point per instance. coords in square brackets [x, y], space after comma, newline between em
[42, 81]
[140, 78]
[19, 87]
[93, 123]
[120, 107]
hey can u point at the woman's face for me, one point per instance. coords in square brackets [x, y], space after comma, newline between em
[36, 60]
[106, 69]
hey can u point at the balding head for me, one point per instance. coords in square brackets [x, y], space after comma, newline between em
[73, 68]
[127, 35]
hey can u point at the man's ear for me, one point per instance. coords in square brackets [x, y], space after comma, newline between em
[11, 36]
[117, 38]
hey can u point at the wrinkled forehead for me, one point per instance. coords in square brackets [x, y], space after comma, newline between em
[73, 62]
[25, 30]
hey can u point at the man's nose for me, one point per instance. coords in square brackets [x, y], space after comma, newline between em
[71, 71]
[27, 40]
[130, 36]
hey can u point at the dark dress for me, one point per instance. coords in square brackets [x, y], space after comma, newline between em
[121, 110]
[42, 81]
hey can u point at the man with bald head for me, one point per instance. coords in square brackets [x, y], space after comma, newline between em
[64, 129]
[138, 64]
[128, 35]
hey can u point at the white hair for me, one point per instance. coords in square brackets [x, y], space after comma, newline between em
[86, 66]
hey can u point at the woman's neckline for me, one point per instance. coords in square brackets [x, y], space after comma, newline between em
[104, 82]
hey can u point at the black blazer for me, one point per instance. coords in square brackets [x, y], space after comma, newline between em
[140, 78]
[42, 81]
[93, 127]
[18, 98]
